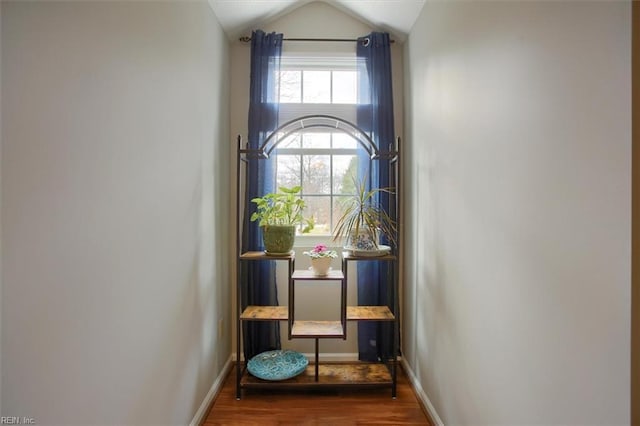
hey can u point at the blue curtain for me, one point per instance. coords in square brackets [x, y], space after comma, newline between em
[258, 278]
[375, 116]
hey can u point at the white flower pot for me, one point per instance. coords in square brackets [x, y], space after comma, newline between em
[320, 265]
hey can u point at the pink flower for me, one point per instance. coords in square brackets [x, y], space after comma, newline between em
[319, 248]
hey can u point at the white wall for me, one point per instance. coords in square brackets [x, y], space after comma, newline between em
[313, 20]
[518, 124]
[1, 96]
[114, 189]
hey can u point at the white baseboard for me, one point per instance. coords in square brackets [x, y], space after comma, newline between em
[215, 388]
[421, 394]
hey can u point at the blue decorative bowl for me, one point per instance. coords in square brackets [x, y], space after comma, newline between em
[277, 365]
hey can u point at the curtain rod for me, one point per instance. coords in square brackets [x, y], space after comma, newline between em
[247, 39]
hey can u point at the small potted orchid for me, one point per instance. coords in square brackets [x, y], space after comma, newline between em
[321, 259]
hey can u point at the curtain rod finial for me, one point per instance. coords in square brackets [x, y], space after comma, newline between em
[245, 39]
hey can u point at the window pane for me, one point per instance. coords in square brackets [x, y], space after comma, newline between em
[288, 167]
[338, 208]
[316, 140]
[291, 141]
[316, 172]
[345, 87]
[317, 87]
[342, 140]
[290, 86]
[345, 168]
[320, 209]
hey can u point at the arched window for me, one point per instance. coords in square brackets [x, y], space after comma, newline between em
[323, 162]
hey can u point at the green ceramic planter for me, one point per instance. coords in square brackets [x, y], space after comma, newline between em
[278, 239]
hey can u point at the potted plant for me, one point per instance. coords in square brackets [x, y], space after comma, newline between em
[279, 214]
[363, 221]
[321, 259]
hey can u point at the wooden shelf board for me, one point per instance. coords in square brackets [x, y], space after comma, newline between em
[265, 313]
[260, 255]
[387, 257]
[369, 313]
[305, 274]
[317, 329]
[359, 374]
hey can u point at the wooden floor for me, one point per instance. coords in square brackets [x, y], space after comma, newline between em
[317, 407]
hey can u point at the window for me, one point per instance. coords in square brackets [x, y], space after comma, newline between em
[318, 86]
[323, 163]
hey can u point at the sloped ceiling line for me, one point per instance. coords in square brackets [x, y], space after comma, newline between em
[395, 16]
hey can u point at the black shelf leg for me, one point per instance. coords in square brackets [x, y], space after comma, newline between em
[317, 352]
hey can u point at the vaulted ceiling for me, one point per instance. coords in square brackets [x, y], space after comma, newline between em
[395, 16]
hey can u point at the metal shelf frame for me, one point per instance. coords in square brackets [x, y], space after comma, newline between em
[356, 374]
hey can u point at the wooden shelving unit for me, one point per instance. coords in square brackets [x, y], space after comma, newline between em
[356, 374]
[353, 374]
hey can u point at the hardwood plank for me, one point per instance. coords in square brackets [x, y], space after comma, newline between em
[322, 406]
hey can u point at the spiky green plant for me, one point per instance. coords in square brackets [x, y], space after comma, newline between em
[362, 211]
